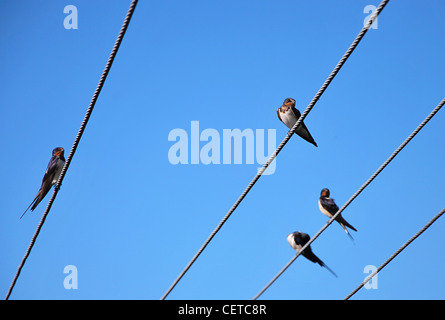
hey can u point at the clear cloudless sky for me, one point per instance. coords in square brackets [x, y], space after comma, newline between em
[130, 221]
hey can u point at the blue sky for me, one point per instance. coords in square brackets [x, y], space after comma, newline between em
[130, 221]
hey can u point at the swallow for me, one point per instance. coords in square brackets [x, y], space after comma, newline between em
[297, 240]
[289, 115]
[329, 208]
[50, 178]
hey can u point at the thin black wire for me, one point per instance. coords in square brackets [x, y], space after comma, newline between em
[395, 254]
[374, 175]
[283, 143]
[78, 137]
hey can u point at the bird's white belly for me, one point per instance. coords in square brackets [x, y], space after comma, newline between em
[289, 118]
[323, 210]
[292, 243]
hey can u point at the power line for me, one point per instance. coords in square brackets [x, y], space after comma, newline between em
[396, 253]
[374, 175]
[283, 143]
[77, 139]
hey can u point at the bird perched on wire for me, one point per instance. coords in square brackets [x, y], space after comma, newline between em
[50, 178]
[289, 115]
[297, 240]
[329, 208]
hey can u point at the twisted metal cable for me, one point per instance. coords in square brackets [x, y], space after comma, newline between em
[395, 254]
[374, 175]
[77, 139]
[283, 143]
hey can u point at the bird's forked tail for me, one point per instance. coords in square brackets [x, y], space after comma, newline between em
[34, 204]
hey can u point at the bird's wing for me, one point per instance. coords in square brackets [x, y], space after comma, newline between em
[278, 113]
[304, 238]
[329, 204]
[51, 169]
[344, 222]
[47, 181]
[296, 112]
[302, 130]
[301, 239]
[312, 257]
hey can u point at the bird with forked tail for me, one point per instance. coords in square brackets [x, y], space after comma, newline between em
[289, 115]
[297, 240]
[329, 208]
[50, 178]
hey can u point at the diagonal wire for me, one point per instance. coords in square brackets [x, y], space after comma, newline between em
[374, 175]
[283, 143]
[77, 139]
[395, 254]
